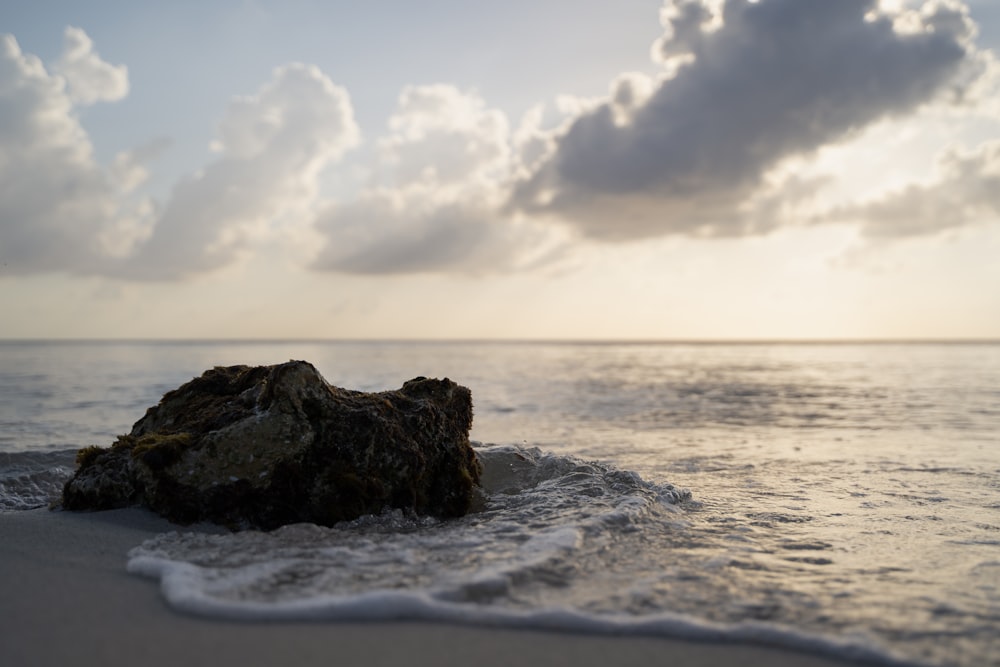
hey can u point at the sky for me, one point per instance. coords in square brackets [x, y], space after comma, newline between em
[552, 169]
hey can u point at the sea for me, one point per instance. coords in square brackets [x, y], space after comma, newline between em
[837, 498]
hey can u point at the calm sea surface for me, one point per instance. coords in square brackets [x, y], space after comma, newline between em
[840, 498]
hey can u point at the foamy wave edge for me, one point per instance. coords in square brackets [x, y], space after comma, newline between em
[179, 583]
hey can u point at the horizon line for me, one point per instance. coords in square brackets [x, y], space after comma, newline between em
[514, 341]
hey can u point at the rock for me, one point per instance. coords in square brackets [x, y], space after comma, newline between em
[269, 445]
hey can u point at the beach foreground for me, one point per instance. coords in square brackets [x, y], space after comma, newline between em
[67, 599]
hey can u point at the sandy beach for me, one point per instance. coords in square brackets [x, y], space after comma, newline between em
[67, 599]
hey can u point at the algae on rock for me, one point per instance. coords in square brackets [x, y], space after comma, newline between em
[264, 446]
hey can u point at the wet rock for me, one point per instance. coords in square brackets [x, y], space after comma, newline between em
[270, 445]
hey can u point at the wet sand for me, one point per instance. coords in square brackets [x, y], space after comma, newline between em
[66, 599]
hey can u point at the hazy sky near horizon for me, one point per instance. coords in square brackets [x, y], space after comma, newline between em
[720, 169]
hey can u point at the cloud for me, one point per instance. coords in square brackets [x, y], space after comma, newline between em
[441, 133]
[443, 175]
[710, 147]
[61, 211]
[88, 78]
[55, 200]
[419, 229]
[966, 192]
[746, 85]
[271, 146]
[129, 167]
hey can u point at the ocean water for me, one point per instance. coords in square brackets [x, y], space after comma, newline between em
[841, 498]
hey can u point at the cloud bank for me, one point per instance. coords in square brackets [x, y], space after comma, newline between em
[702, 150]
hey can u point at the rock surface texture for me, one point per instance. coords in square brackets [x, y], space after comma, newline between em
[263, 446]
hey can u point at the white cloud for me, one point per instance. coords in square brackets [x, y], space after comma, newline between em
[444, 169]
[441, 133]
[272, 147]
[88, 78]
[61, 211]
[55, 200]
[418, 229]
[747, 85]
[966, 191]
[129, 167]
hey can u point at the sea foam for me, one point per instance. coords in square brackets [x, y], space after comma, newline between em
[33, 479]
[551, 548]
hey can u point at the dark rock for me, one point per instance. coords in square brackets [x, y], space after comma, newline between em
[269, 445]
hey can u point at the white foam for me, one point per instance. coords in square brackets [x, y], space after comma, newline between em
[188, 588]
[560, 545]
[524, 547]
[33, 479]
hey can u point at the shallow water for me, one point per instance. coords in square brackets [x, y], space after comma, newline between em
[844, 498]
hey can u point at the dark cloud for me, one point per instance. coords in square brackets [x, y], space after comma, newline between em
[760, 82]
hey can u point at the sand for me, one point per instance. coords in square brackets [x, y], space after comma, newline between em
[66, 599]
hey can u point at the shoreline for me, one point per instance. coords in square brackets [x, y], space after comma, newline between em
[67, 599]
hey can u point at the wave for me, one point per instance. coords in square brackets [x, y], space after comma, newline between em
[557, 543]
[535, 513]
